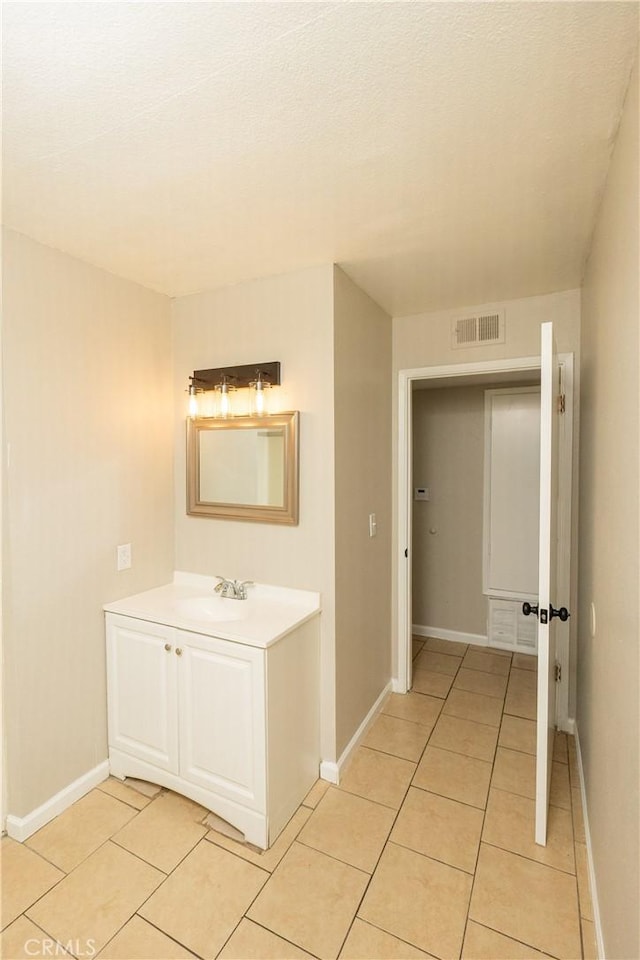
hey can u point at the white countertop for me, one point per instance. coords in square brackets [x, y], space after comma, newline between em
[190, 603]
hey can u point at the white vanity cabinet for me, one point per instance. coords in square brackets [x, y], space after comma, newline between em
[221, 718]
[231, 725]
[142, 690]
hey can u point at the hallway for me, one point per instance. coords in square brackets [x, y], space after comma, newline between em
[424, 850]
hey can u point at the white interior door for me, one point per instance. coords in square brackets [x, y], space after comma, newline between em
[407, 561]
[546, 718]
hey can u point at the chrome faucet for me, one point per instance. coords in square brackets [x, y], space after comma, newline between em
[232, 589]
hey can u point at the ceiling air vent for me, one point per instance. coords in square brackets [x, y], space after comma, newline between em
[477, 331]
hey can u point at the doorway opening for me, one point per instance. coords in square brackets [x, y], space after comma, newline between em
[413, 490]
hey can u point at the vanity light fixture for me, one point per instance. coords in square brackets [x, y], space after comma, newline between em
[257, 377]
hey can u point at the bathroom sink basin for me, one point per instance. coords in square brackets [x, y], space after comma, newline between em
[216, 609]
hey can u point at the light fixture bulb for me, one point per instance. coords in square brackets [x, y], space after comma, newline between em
[193, 400]
[224, 390]
[260, 402]
[225, 403]
[259, 387]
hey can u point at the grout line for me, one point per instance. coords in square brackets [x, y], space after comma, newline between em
[484, 818]
[411, 784]
[126, 802]
[370, 923]
[268, 930]
[269, 875]
[155, 890]
[110, 840]
[444, 796]
[377, 803]
[23, 843]
[333, 856]
[42, 929]
[246, 911]
[66, 873]
[155, 927]
[431, 856]
[523, 856]
[330, 856]
[516, 940]
[386, 843]
[458, 753]
[523, 796]
[138, 856]
[395, 755]
[415, 723]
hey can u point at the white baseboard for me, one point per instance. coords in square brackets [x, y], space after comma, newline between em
[441, 634]
[330, 770]
[592, 874]
[20, 828]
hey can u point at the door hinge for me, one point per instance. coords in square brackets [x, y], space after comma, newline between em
[558, 672]
[562, 402]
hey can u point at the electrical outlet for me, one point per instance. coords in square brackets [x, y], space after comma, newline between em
[124, 556]
[373, 526]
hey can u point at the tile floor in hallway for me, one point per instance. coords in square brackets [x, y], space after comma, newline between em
[424, 850]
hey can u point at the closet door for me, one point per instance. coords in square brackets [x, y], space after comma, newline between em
[511, 493]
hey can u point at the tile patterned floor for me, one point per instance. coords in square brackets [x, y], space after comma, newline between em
[425, 849]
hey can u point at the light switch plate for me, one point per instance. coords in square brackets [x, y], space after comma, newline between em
[124, 556]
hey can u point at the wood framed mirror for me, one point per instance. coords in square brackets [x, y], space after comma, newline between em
[244, 468]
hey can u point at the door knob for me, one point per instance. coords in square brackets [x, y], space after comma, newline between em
[178, 652]
[528, 608]
[167, 647]
[563, 614]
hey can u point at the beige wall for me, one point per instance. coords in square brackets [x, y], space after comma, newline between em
[608, 681]
[424, 340]
[448, 457]
[362, 351]
[287, 318]
[334, 345]
[88, 427]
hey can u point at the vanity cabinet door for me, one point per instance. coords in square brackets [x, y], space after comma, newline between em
[142, 691]
[222, 718]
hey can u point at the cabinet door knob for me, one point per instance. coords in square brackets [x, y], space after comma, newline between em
[178, 652]
[167, 647]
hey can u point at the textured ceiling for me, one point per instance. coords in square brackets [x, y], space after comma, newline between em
[443, 153]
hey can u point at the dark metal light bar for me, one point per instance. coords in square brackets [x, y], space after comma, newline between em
[240, 376]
